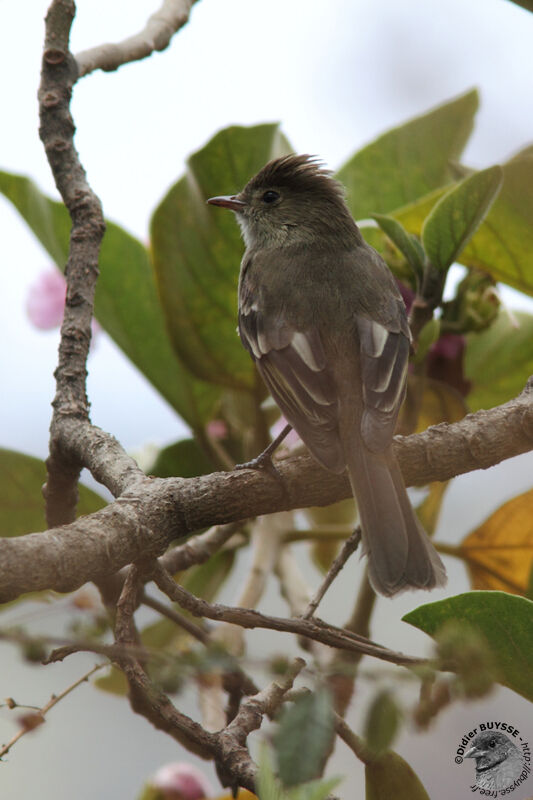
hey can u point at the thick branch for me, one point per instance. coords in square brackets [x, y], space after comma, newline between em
[156, 35]
[154, 512]
[58, 75]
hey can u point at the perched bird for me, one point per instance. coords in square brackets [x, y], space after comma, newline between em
[322, 317]
[499, 762]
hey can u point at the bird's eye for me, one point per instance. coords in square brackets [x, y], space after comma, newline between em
[270, 196]
[492, 743]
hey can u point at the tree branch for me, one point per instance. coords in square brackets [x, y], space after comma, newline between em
[60, 71]
[156, 35]
[350, 546]
[58, 75]
[153, 512]
[314, 629]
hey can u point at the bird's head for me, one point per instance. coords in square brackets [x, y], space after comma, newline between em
[490, 748]
[292, 200]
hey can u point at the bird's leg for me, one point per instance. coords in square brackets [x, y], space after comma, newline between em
[264, 459]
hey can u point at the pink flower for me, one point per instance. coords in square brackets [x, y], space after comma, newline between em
[181, 781]
[46, 300]
[217, 429]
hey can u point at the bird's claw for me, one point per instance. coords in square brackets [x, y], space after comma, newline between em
[264, 463]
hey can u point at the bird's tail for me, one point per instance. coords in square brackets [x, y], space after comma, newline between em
[400, 555]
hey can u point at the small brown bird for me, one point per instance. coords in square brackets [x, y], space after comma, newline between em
[322, 317]
[499, 762]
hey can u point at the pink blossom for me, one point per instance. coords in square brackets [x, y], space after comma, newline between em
[217, 429]
[46, 300]
[181, 781]
[450, 346]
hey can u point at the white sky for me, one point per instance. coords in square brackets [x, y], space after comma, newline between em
[336, 74]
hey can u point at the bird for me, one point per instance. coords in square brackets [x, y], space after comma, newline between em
[322, 317]
[499, 762]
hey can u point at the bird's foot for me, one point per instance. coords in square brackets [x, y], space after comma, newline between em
[264, 463]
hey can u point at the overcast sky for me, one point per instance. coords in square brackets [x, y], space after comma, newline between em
[336, 75]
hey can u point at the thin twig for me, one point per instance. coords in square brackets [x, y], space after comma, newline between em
[66, 647]
[314, 629]
[54, 700]
[343, 664]
[354, 742]
[174, 616]
[267, 701]
[156, 36]
[350, 546]
[234, 681]
[199, 549]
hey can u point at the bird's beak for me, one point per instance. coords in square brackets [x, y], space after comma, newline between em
[474, 752]
[228, 201]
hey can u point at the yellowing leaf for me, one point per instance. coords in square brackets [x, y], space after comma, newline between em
[335, 523]
[429, 402]
[429, 509]
[323, 552]
[389, 777]
[499, 554]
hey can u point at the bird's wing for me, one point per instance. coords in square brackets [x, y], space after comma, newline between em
[384, 360]
[293, 365]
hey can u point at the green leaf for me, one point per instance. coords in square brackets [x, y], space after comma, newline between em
[197, 250]
[456, 217]
[315, 790]
[390, 777]
[499, 360]
[304, 738]
[382, 721]
[21, 500]
[269, 787]
[184, 459]
[527, 4]
[504, 620]
[503, 246]
[409, 161]
[428, 336]
[206, 580]
[529, 591]
[404, 241]
[126, 302]
[114, 682]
